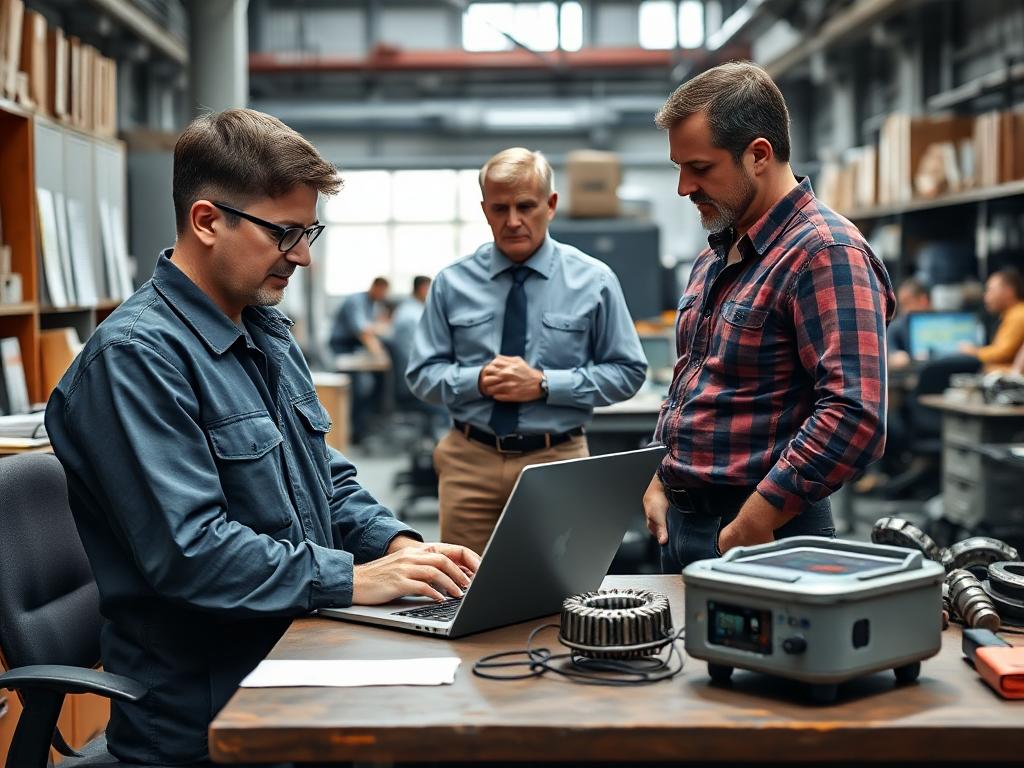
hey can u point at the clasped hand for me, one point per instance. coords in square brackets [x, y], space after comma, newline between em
[511, 380]
[410, 567]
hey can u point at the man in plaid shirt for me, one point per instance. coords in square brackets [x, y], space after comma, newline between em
[778, 396]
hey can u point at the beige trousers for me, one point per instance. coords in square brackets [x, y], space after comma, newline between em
[475, 481]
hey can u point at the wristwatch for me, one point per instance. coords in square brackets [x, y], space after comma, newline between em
[543, 385]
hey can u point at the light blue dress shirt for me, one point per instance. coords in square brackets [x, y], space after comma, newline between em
[579, 332]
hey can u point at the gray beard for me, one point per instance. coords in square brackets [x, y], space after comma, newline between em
[726, 216]
[267, 297]
[719, 221]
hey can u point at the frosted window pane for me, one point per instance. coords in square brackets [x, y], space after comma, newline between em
[658, 24]
[481, 24]
[572, 26]
[422, 249]
[691, 24]
[469, 196]
[472, 236]
[354, 256]
[424, 195]
[536, 26]
[365, 198]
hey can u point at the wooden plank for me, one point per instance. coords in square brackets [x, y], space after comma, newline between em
[949, 715]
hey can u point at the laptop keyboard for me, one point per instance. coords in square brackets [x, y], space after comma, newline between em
[444, 611]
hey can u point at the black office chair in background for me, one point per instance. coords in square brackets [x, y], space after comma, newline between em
[923, 426]
[49, 614]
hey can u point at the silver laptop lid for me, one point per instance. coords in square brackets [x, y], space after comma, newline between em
[556, 537]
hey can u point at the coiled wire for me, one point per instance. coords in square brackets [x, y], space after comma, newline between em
[614, 638]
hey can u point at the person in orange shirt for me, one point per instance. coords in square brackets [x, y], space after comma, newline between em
[1004, 296]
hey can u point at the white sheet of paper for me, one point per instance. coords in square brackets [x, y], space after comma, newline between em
[351, 673]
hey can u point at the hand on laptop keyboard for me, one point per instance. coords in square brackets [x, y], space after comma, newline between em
[411, 567]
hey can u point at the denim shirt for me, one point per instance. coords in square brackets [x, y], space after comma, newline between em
[578, 331]
[209, 504]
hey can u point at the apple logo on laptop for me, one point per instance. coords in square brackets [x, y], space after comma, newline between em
[561, 544]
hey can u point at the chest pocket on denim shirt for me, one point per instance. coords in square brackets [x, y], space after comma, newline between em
[251, 475]
[743, 333]
[565, 341]
[472, 337]
[316, 424]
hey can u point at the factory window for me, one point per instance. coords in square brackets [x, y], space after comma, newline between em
[691, 24]
[537, 26]
[658, 24]
[400, 224]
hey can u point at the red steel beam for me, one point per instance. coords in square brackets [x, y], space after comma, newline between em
[389, 59]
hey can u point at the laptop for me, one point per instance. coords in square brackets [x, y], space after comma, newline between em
[556, 537]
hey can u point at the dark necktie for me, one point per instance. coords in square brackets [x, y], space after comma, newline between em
[505, 416]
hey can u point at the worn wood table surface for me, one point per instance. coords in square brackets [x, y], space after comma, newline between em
[948, 715]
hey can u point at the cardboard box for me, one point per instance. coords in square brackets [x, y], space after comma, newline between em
[593, 180]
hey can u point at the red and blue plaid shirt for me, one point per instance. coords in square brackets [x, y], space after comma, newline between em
[780, 381]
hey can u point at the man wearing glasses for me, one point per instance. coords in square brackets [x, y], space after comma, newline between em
[208, 502]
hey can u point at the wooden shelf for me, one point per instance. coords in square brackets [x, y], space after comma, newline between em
[1010, 189]
[844, 27]
[21, 308]
[102, 304]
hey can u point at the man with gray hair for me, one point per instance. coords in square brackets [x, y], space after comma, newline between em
[519, 341]
[778, 396]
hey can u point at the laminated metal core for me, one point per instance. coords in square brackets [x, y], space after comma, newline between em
[616, 624]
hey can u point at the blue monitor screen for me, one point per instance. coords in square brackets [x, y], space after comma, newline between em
[935, 334]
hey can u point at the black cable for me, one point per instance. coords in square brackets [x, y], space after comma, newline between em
[581, 669]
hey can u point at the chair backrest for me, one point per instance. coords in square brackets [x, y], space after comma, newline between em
[49, 604]
[933, 379]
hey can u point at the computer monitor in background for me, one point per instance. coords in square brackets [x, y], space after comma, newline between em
[632, 249]
[937, 334]
[660, 351]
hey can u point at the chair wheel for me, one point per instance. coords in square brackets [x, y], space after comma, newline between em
[908, 673]
[719, 673]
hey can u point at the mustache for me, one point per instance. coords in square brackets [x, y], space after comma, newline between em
[284, 271]
[696, 198]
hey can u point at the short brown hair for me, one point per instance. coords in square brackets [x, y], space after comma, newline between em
[242, 155]
[741, 103]
[1011, 276]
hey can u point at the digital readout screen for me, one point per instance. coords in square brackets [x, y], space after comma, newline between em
[823, 562]
[748, 629]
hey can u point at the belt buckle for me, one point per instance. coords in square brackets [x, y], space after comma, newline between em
[505, 451]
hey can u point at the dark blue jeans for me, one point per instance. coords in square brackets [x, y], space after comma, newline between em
[693, 534]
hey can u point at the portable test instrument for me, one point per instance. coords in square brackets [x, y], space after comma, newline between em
[816, 610]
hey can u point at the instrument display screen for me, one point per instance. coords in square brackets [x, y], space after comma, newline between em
[735, 626]
[823, 562]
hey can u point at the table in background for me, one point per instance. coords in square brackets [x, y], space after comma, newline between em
[979, 493]
[626, 425]
[949, 715]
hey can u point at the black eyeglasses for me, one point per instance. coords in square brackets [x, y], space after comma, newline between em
[288, 237]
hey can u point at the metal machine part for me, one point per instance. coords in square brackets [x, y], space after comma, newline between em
[970, 600]
[977, 552]
[816, 610]
[616, 624]
[897, 532]
[1005, 586]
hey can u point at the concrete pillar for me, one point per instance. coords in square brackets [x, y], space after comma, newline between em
[218, 54]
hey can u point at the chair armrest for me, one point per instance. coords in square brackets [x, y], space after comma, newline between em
[66, 679]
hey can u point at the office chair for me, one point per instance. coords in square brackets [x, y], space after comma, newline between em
[49, 614]
[924, 425]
